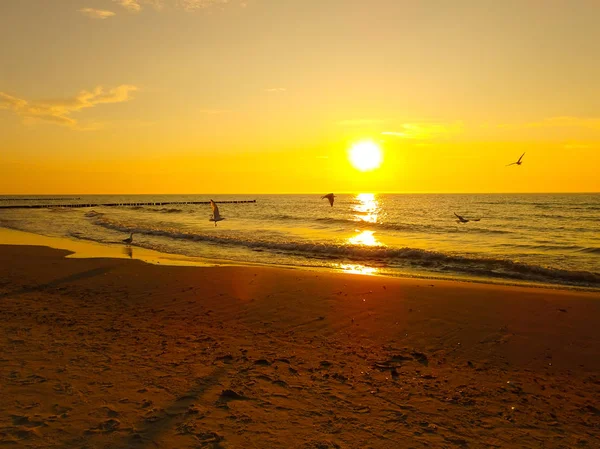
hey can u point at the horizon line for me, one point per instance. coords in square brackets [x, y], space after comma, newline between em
[310, 193]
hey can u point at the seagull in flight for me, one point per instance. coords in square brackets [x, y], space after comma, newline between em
[129, 239]
[216, 216]
[330, 197]
[464, 220]
[519, 162]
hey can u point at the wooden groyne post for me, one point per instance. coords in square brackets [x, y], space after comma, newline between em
[152, 203]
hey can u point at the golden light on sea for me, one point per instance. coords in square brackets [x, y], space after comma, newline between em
[367, 208]
[366, 238]
[365, 156]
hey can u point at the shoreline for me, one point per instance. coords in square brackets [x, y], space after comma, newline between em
[120, 353]
[80, 248]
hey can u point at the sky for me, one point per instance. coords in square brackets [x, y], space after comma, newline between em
[269, 96]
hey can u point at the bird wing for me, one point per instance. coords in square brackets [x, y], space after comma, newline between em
[521, 157]
[476, 219]
[330, 197]
[508, 165]
[458, 216]
[215, 209]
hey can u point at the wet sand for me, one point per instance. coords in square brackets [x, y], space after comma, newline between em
[118, 353]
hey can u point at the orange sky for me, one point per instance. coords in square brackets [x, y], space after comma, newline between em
[267, 96]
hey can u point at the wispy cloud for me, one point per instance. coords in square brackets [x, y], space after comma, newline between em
[130, 5]
[60, 111]
[192, 5]
[214, 111]
[276, 89]
[421, 131]
[396, 133]
[558, 122]
[577, 146]
[187, 5]
[96, 13]
[360, 122]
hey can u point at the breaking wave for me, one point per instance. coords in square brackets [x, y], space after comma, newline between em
[393, 257]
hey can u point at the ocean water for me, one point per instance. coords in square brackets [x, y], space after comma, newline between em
[532, 238]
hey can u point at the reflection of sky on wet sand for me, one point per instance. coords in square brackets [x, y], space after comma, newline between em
[84, 249]
[128, 251]
[358, 269]
[367, 208]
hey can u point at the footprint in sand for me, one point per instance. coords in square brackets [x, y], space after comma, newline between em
[108, 426]
[24, 421]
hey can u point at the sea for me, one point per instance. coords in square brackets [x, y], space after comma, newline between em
[547, 239]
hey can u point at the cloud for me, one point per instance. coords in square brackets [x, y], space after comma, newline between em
[214, 111]
[576, 146]
[192, 5]
[60, 111]
[395, 133]
[559, 122]
[421, 131]
[130, 5]
[187, 5]
[276, 89]
[360, 122]
[96, 13]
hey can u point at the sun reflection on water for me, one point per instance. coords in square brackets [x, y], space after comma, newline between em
[366, 238]
[367, 208]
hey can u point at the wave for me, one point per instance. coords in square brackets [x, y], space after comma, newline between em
[548, 246]
[596, 207]
[162, 210]
[410, 227]
[590, 250]
[60, 210]
[414, 257]
[168, 210]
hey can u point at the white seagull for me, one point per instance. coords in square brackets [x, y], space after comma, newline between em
[215, 216]
[464, 220]
[330, 197]
[519, 162]
[129, 239]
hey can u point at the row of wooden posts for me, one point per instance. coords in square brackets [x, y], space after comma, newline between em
[152, 203]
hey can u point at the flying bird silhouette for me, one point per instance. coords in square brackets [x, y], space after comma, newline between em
[519, 162]
[129, 239]
[216, 216]
[464, 220]
[330, 197]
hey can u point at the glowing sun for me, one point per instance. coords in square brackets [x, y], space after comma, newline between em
[365, 156]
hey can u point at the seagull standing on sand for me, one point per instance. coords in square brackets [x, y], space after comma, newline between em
[215, 216]
[330, 197]
[519, 162]
[129, 239]
[464, 220]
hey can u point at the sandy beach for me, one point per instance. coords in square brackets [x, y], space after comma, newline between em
[116, 353]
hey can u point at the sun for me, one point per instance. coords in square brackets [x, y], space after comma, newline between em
[365, 156]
